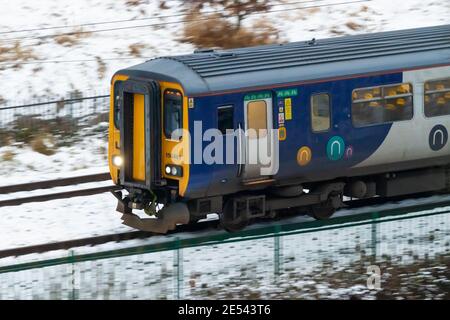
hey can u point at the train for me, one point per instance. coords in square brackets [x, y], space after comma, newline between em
[254, 133]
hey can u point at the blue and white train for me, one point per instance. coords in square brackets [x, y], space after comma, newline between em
[358, 116]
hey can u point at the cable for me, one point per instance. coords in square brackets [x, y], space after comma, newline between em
[134, 19]
[74, 61]
[7, 63]
[178, 22]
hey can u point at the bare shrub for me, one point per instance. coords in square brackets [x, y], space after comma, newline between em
[101, 67]
[163, 5]
[72, 38]
[218, 32]
[135, 49]
[26, 128]
[16, 53]
[8, 155]
[336, 31]
[44, 144]
[133, 3]
[98, 118]
[6, 138]
[353, 26]
[225, 28]
[239, 9]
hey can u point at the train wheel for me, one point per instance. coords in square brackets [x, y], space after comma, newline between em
[325, 210]
[322, 212]
[228, 220]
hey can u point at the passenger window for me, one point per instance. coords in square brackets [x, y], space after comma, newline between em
[382, 104]
[437, 98]
[257, 119]
[172, 113]
[225, 119]
[320, 112]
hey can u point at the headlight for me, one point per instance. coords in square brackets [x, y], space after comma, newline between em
[176, 171]
[117, 161]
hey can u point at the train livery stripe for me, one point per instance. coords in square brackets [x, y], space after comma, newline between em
[409, 140]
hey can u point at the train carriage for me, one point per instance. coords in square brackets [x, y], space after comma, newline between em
[255, 132]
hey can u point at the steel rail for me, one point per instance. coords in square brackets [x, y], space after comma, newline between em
[259, 231]
[57, 196]
[48, 184]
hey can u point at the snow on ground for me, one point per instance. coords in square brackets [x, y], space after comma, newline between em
[102, 53]
[88, 155]
[82, 217]
[311, 265]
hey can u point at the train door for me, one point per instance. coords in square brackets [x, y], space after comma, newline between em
[139, 123]
[261, 152]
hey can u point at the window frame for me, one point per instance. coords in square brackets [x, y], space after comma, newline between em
[225, 107]
[330, 109]
[169, 137]
[382, 98]
[266, 118]
[116, 113]
[425, 93]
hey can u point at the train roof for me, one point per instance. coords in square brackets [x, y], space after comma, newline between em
[208, 71]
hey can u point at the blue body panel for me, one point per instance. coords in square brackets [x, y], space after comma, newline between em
[207, 180]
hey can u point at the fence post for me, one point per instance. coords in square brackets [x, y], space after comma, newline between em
[276, 252]
[375, 217]
[73, 294]
[178, 268]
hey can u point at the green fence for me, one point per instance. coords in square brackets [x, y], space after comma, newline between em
[292, 260]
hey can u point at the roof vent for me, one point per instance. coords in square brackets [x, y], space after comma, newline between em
[224, 54]
[312, 42]
[204, 50]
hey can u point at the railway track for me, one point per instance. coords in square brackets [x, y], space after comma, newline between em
[53, 184]
[214, 224]
[48, 184]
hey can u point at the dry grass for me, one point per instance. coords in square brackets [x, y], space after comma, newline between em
[16, 53]
[364, 8]
[101, 67]
[163, 5]
[218, 32]
[133, 3]
[8, 156]
[312, 11]
[44, 144]
[353, 26]
[135, 49]
[336, 31]
[72, 38]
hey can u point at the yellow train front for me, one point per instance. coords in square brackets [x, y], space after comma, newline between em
[144, 157]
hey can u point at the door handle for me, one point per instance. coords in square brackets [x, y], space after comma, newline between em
[241, 151]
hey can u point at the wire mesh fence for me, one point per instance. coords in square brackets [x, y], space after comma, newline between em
[62, 118]
[411, 251]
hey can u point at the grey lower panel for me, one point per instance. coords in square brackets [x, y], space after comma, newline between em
[412, 182]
